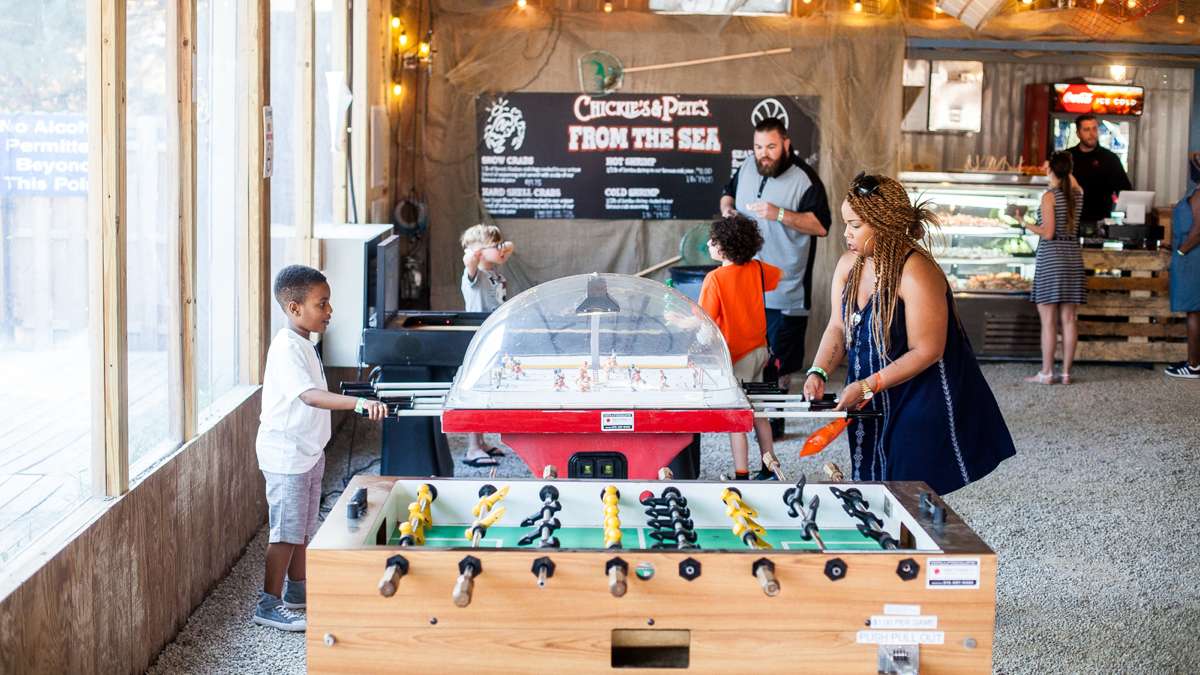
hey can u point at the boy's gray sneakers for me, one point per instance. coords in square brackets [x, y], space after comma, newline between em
[271, 612]
[294, 594]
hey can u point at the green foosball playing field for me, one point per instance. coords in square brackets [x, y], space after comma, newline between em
[451, 536]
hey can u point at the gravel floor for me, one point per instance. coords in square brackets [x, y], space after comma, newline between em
[1096, 572]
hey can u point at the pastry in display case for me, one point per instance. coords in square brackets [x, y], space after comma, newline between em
[987, 252]
[982, 244]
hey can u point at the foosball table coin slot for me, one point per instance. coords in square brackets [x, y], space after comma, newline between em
[908, 569]
[651, 648]
[899, 659]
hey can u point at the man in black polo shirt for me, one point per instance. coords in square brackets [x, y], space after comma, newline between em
[1097, 169]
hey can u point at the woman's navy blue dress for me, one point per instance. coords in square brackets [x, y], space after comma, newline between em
[942, 426]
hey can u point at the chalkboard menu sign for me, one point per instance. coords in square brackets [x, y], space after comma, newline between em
[623, 156]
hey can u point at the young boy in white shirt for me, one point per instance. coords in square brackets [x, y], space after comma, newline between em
[484, 288]
[293, 429]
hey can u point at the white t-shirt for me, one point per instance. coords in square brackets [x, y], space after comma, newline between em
[291, 434]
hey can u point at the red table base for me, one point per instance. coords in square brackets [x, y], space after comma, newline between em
[544, 437]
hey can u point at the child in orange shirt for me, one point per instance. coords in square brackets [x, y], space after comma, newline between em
[733, 297]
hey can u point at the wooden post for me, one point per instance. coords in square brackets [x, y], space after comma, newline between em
[255, 269]
[305, 132]
[181, 24]
[360, 117]
[339, 38]
[107, 245]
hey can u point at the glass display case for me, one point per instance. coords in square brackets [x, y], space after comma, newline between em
[983, 244]
[597, 341]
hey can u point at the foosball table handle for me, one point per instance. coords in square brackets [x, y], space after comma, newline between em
[617, 571]
[834, 473]
[468, 568]
[764, 571]
[397, 567]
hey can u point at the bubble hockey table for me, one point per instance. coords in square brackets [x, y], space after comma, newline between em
[535, 575]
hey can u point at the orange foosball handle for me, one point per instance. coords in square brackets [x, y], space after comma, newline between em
[821, 438]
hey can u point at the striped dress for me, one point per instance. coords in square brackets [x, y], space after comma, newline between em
[1059, 276]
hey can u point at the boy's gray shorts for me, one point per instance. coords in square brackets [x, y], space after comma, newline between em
[293, 502]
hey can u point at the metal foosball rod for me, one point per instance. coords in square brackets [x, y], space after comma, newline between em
[543, 569]
[793, 497]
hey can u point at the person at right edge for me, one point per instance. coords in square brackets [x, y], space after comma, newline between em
[1098, 171]
[1185, 270]
[908, 355]
[784, 195]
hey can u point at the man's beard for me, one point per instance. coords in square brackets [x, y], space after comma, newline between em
[768, 168]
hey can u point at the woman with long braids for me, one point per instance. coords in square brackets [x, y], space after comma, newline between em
[1059, 281]
[907, 354]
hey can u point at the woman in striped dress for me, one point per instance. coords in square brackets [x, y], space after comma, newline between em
[1059, 283]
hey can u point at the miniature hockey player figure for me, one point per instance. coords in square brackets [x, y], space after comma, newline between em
[662, 379]
[497, 377]
[507, 362]
[517, 369]
[697, 374]
[635, 375]
[560, 381]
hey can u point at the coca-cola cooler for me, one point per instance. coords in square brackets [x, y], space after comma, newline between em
[1051, 109]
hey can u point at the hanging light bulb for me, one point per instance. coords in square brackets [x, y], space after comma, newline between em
[1027, 2]
[1099, 2]
[858, 5]
[403, 38]
[397, 89]
[1117, 72]
[1180, 19]
[608, 8]
[1131, 3]
[808, 2]
[395, 22]
[521, 4]
[937, 9]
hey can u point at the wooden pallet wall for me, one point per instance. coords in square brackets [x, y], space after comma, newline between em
[1128, 317]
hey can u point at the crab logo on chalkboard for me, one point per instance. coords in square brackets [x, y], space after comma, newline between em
[766, 108]
[505, 125]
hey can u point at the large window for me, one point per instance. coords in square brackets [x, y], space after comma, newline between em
[151, 179]
[217, 214]
[45, 351]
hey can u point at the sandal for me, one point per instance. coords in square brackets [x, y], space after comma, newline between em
[480, 461]
[495, 452]
[1041, 378]
[1065, 378]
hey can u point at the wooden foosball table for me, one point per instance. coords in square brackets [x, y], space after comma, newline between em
[543, 575]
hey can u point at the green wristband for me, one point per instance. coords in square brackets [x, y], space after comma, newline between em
[360, 405]
[820, 372]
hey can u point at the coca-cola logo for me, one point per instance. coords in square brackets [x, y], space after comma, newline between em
[1098, 100]
[1077, 99]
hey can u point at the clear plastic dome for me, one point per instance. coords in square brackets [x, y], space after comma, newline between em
[597, 341]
